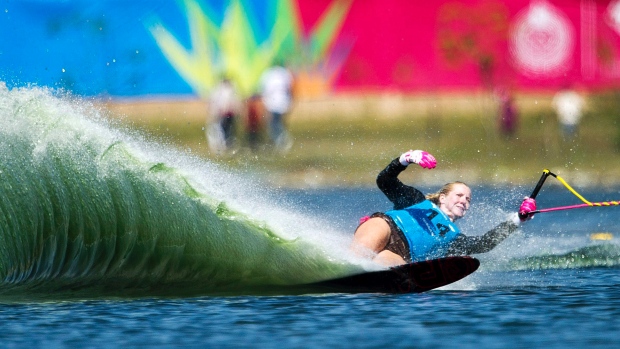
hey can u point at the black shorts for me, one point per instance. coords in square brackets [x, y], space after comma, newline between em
[398, 243]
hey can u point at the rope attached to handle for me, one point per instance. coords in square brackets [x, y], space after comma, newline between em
[585, 204]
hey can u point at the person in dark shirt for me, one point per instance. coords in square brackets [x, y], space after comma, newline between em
[421, 227]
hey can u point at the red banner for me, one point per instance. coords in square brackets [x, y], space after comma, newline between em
[447, 45]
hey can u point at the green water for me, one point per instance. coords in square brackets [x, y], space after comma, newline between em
[84, 205]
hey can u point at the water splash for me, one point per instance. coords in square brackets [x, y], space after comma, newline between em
[87, 205]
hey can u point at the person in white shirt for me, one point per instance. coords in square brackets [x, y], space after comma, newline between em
[224, 107]
[568, 105]
[277, 95]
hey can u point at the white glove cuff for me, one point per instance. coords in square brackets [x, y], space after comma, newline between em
[514, 217]
[403, 159]
[412, 156]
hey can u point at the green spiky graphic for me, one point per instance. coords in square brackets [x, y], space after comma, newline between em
[232, 49]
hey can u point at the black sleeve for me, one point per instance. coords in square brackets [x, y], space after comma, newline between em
[399, 194]
[466, 245]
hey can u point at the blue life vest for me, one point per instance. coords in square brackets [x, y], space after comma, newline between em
[427, 229]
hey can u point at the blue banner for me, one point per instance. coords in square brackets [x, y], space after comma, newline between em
[102, 48]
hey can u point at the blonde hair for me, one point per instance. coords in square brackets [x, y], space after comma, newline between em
[434, 197]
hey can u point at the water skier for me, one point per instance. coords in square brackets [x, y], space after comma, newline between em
[421, 227]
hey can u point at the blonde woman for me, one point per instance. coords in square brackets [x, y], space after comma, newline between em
[421, 227]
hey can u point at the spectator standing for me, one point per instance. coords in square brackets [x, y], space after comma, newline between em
[507, 113]
[568, 106]
[225, 105]
[277, 95]
[255, 112]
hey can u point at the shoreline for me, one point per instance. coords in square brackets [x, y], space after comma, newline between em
[344, 140]
[316, 180]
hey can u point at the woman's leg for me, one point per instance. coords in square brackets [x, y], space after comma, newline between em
[370, 240]
[389, 259]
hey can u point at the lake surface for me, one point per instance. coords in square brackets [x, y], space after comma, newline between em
[519, 304]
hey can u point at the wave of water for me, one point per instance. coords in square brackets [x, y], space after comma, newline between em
[85, 205]
[596, 255]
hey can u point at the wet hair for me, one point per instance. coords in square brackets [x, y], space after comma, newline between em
[434, 197]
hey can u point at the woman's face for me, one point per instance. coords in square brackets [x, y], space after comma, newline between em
[456, 202]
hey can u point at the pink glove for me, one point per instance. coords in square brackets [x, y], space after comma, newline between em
[420, 157]
[527, 206]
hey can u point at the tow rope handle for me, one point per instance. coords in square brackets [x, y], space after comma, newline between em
[586, 203]
[541, 181]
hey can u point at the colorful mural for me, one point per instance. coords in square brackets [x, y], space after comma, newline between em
[232, 50]
[172, 48]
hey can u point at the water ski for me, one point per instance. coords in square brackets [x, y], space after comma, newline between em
[409, 278]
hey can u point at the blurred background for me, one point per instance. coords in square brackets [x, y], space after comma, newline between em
[327, 92]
